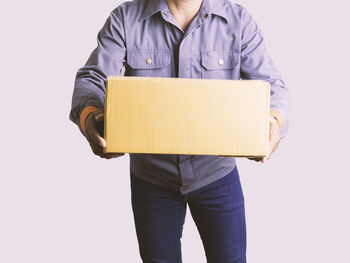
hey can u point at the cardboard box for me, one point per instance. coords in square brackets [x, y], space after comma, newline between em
[187, 116]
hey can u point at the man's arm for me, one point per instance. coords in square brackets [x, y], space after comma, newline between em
[107, 59]
[256, 63]
[90, 84]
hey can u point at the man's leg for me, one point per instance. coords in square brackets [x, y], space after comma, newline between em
[159, 216]
[218, 211]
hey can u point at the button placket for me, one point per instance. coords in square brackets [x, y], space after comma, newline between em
[184, 69]
[185, 58]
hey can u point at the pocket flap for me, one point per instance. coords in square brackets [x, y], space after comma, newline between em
[148, 59]
[214, 60]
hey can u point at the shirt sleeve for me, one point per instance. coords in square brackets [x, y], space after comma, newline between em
[256, 63]
[107, 59]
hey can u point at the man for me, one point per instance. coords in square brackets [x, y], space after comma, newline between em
[184, 39]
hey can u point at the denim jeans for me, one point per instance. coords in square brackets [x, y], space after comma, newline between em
[217, 210]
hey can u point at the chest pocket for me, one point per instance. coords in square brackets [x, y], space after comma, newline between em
[220, 64]
[152, 63]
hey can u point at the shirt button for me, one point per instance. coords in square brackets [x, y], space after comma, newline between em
[221, 61]
[165, 14]
[205, 15]
[148, 61]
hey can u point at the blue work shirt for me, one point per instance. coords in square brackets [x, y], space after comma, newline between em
[142, 38]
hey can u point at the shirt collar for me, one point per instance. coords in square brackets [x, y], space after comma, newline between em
[215, 7]
[153, 7]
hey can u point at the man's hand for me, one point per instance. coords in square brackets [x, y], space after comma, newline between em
[94, 134]
[274, 138]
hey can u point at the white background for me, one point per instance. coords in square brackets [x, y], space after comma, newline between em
[60, 203]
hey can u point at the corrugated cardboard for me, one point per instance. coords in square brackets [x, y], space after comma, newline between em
[187, 116]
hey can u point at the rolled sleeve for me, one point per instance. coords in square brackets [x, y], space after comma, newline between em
[256, 63]
[107, 59]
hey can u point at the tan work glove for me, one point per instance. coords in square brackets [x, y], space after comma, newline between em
[94, 126]
[274, 138]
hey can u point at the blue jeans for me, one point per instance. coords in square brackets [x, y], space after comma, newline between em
[217, 210]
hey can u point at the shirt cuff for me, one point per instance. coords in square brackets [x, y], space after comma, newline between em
[278, 116]
[86, 111]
